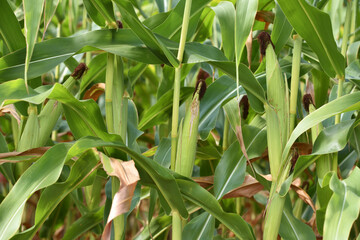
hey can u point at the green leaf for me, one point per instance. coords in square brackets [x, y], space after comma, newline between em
[157, 226]
[55, 193]
[163, 153]
[340, 105]
[344, 205]
[219, 91]
[84, 224]
[330, 140]
[123, 42]
[230, 172]
[315, 27]
[293, 228]
[353, 71]
[171, 27]
[321, 83]
[94, 14]
[201, 197]
[200, 227]
[105, 8]
[333, 138]
[225, 12]
[159, 112]
[10, 29]
[32, 15]
[353, 52]
[145, 34]
[49, 11]
[41, 174]
[159, 175]
[281, 30]
[244, 20]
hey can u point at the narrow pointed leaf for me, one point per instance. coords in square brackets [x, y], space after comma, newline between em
[32, 13]
[244, 20]
[315, 27]
[10, 29]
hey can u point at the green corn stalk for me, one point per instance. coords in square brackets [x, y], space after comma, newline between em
[277, 118]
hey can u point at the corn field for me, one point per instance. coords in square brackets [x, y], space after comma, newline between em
[179, 119]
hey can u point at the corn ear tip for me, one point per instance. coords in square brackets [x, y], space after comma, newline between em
[79, 71]
[264, 40]
[307, 100]
[244, 106]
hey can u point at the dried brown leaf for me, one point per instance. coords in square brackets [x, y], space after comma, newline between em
[35, 152]
[10, 109]
[95, 91]
[128, 176]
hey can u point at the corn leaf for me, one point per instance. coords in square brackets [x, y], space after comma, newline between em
[315, 27]
[10, 28]
[344, 205]
[201, 197]
[200, 227]
[340, 105]
[33, 10]
[54, 194]
[43, 173]
[225, 12]
[123, 42]
[244, 20]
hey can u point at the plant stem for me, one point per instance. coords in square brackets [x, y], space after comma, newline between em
[109, 82]
[177, 225]
[353, 21]
[295, 76]
[343, 51]
[176, 97]
[169, 5]
[346, 28]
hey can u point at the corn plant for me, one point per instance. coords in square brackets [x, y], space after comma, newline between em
[179, 119]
